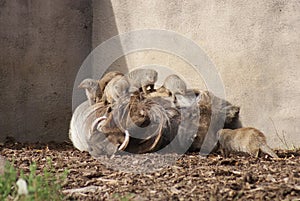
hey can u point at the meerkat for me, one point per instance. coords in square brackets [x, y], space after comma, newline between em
[92, 89]
[115, 89]
[107, 78]
[248, 140]
[173, 84]
[142, 78]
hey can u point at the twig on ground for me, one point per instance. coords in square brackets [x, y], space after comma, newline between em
[83, 190]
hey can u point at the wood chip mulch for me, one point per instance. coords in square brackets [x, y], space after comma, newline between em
[190, 177]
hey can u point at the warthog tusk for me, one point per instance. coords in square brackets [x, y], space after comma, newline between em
[96, 122]
[126, 141]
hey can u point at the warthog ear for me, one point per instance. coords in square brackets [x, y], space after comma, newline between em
[231, 111]
[199, 98]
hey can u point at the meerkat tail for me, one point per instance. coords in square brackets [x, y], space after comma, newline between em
[126, 141]
[266, 149]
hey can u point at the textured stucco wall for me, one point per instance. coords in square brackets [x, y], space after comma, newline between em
[43, 43]
[255, 46]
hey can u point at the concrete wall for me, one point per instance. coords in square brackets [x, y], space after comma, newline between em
[104, 28]
[255, 46]
[43, 43]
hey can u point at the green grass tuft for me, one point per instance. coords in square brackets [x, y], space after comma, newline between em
[44, 186]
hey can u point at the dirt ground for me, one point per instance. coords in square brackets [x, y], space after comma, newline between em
[190, 177]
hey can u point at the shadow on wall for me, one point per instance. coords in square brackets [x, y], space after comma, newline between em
[43, 44]
[105, 27]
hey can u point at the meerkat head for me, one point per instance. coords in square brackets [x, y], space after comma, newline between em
[122, 87]
[152, 76]
[91, 88]
[181, 89]
[88, 84]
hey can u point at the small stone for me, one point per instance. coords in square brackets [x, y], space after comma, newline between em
[286, 180]
[174, 190]
[231, 193]
[270, 178]
[22, 187]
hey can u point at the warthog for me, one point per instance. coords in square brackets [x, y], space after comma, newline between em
[138, 120]
[145, 120]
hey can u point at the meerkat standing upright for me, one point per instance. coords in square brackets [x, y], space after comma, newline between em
[92, 89]
[247, 140]
[115, 89]
[107, 78]
[173, 84]
[142, 78]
